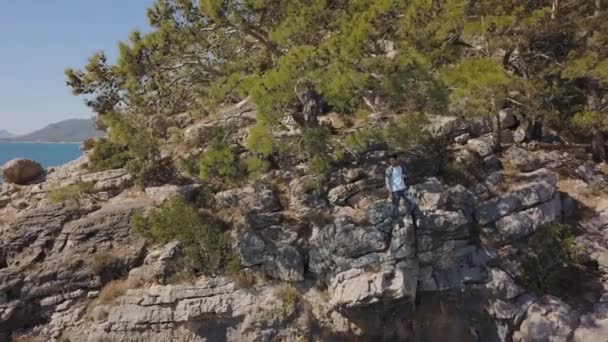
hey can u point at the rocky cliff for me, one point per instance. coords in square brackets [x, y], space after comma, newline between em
[330, 262]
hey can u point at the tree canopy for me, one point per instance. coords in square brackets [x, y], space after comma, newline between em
[301, 58]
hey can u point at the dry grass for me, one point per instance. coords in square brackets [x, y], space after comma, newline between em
[290, 298]
[27, 338]
[117, 288]
[101, 261]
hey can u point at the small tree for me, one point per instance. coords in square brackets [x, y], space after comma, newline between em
[478, 87]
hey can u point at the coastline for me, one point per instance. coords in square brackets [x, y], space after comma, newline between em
[39, 142]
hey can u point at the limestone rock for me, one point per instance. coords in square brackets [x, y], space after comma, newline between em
[522, 159]
[21, 171]
[287, 265]
[357, 288]
[162, 193]
[259, 198]
[549, 319]
[481, 146]
[594, 325]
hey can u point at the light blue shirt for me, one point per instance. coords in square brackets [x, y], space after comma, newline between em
[394, 179]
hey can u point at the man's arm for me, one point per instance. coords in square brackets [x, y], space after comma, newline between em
[387, 180]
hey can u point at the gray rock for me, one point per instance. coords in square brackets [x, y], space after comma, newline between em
[21, 171]
[341, 194]
[522, 159]
[549, 319]
[462, 139]
[252, 249]
[484, 125]
[501, 285]
[287, 265]
[481, 146]
[259, 198]
[593, 326]
[263, 220]
[440, 125]
[307, 192]
[523, 223]
[357, 288]
[492, 163]
[522, 197]
[162, 193]
[430, 195]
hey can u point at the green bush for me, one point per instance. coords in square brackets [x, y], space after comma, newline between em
[89, 144]
[318, 164]
[360, 140]
[256, 167]
[221, 165]
[207, 250]
[553, 262]
[407, 131]
[108, 155]
[72, 192]
[260, 140]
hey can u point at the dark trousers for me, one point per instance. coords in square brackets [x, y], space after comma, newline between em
[396, 197]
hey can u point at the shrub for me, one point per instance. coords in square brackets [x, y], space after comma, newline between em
[256, 167]
[89, 144]
[117, 288]
[108, 155]
[290, 298]
[407, 131]
[175, 135]
[260, 139]
[318, 164]
[359, 141]
[206, 248]
[72, 192]
[221, 165]
[552, 264]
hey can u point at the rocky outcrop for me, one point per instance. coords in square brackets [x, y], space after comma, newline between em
[549, 319]
[322, 256]
[21, 171]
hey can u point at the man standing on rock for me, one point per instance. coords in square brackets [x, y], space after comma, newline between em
[394, 177]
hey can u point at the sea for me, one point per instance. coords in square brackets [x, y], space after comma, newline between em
[47, 154]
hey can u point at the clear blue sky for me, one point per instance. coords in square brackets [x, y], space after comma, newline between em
[39, 39]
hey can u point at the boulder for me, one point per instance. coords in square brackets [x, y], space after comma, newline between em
[594, 325]
[21, 171]
[358, 288]
[481, 146]
[162, 193]
[483, 125]
[522, 159]
[440, 125]
[430, 195]
[252, 249]
[523, 223]
[258, 198]
[502, 285]
[287, 265]
[549, 319]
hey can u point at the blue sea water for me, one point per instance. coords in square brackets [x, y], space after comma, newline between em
[46, 154]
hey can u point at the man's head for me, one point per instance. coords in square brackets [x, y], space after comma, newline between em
[393, 160]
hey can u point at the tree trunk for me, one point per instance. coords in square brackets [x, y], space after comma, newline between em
[496, 127]
[554, 9]
[496, 139]
[597, 146]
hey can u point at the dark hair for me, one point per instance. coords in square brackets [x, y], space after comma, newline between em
[392, 156]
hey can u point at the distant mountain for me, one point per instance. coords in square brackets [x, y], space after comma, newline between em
[73, 130]
[4, 134]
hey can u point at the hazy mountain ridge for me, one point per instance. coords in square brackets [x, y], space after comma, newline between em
[4, 134]
[72, 130]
